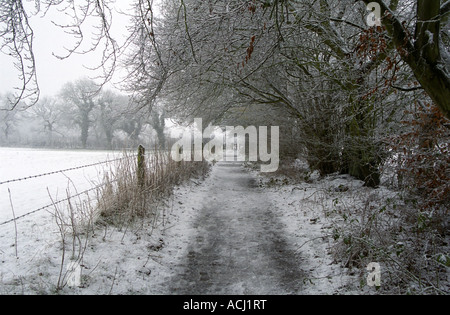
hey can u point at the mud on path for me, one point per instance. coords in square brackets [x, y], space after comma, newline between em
[237, 244]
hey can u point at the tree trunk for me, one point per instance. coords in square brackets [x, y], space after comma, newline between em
[435, 82]
[427, 56]
[84, 130]
[360, 157]
[421, 51]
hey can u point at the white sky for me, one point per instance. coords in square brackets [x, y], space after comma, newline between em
[53, 73]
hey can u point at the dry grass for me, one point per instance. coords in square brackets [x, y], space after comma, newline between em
[130, 193]
[378, 226]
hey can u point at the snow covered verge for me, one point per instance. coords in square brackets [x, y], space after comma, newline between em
[353, 236]
[300, 208]
[73, 248]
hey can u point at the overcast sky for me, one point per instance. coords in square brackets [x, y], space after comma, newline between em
[53, 73]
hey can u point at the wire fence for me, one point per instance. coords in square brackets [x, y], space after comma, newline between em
[52, 204]
[61, 172]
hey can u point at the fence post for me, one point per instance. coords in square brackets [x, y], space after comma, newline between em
[141, 166]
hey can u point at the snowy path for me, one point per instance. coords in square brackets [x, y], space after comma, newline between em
[235, 242]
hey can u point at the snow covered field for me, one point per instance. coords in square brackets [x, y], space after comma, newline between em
[28, 195]
[34, 237]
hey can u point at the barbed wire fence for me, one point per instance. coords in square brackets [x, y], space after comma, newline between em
[61, 172]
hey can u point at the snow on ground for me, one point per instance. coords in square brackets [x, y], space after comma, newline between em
[35, 238]
[143, 258]
[28, 195]
[301, 209]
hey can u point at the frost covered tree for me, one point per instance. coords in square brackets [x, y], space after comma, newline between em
[317, 61]
[48, 111]
[80, 99]
[132, 123]
[157, 120]
[227, 57]
[108, 113]
[8, 118]
[17, 37]
[419, 31]
[339, 83]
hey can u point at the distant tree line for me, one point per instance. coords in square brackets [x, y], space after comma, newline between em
[84, 116]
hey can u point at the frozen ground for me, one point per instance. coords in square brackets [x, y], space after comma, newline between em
[235, 237]
[237, 243]
[224, 235]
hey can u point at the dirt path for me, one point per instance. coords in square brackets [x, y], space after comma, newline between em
[237, 245]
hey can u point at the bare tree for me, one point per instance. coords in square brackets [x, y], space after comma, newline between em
[419, 41]
[8, 118]
[110, 109]
[81, 99]
[48, 111]
[17, 38]
[132, 122]
[158, 123]
[418, 30]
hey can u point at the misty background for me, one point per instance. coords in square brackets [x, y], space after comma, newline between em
[77, 107]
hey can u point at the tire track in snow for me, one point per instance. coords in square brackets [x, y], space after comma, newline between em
[239, 245]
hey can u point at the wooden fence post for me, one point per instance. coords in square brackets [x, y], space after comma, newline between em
[141, 166]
